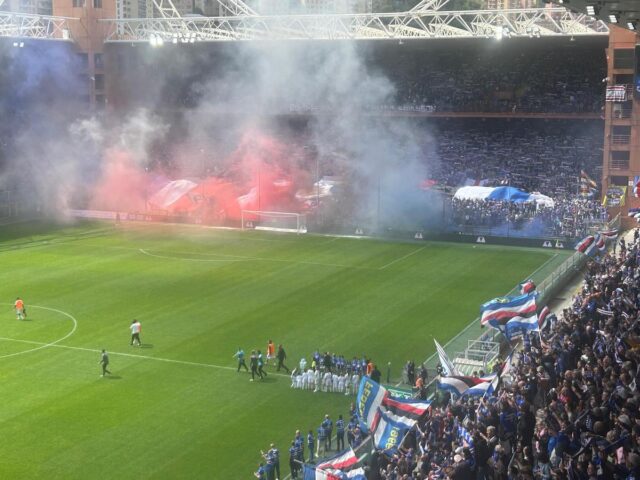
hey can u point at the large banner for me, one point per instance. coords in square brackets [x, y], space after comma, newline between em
[615, 196]
[370, 396]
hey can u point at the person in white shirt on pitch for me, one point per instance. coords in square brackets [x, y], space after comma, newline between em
[355, 381]
[316, 380]
[294, 372]
[303, 364]
[334, 382]
[340, 383]
[347, 384]
[326, 382]
[135, 328]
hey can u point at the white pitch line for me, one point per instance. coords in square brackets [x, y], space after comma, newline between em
[45, 344]
[191, 259]
[402, 258]
[122, 354]
[231, 258]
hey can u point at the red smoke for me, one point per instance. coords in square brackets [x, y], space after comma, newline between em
[122, 186]
[264, 175]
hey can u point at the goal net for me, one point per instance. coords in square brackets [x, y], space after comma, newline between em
[274, 221]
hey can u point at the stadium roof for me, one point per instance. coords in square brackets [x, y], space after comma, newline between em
[625, 13]
[21, 25]
[420, 24]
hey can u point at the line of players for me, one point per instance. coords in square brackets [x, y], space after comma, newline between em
[325, 381]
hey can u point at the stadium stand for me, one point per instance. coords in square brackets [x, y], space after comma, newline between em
[547, 77]
[570, 409]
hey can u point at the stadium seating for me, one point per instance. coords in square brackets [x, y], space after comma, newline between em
[567, 409]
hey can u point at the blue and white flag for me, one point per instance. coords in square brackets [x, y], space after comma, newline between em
[343, 466]
[390, 430]
[499, 311]
[486, 388]
[447, 365]
[464, 435]
[458, 385]
[368, 401]
[518, 325]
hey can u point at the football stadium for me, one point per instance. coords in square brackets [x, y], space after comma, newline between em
[319, 239]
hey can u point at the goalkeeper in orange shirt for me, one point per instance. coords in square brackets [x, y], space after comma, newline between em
[271, 351]
[21, 311]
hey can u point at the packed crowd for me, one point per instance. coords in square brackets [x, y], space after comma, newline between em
[534, 155]
[571, 217]
[544, 77]
[570, 408]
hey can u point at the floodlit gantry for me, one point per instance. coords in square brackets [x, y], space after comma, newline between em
[539, 22]
[21, 26]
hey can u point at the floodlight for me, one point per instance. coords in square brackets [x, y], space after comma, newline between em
[499, 33]
[631, 25]
[591, 10]
[613, 18]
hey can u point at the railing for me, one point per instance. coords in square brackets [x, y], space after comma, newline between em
[620, 139]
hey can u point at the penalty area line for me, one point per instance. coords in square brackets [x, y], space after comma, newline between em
[132, 355]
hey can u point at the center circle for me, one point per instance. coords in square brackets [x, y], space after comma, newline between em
[40, 345]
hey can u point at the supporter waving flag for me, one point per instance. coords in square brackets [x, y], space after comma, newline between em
[447, 365]
[499, 311]
[373, 398]
[458, 385]
[483, 389]
[527, 287]
[341, 467]
[412, 409]
[390, 430]
[584, 244]
[542, 318]
[368, 401]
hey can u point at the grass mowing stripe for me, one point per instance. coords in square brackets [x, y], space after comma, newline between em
[475, 320]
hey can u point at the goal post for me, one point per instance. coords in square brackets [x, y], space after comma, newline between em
[273, 221]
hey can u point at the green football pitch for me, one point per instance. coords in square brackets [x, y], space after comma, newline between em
[176, 408]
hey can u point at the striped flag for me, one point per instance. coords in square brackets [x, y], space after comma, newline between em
[458, 385]
[368, 401]
[609, 235]
[518, 325]
[390, 430]
[447, 365]
[464, 435]
[542, 318]
[499, 311]
[527, 287]
[343, 466]
[584, 244]
[487, 387]
[412, 409]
